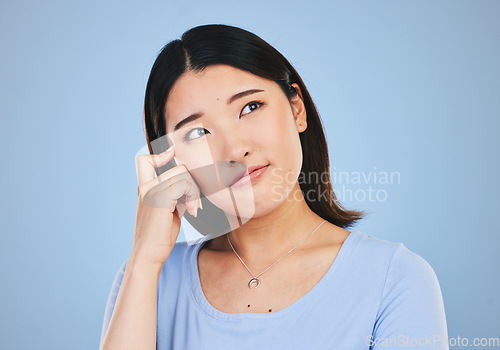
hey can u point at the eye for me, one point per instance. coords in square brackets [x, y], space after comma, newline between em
[199, 132]
[194, 131]
[252, 106]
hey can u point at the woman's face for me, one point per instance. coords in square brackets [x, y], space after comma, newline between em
[243, 121]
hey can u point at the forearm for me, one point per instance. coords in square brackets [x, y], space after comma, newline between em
[133, 323]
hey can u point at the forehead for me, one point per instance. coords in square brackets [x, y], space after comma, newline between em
[194, 92]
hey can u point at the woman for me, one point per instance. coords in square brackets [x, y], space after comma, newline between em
[233, 131]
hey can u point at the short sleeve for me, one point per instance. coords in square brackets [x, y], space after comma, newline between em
[110, 305]
[411, 313]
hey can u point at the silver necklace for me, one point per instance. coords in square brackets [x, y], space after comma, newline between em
[254, 282]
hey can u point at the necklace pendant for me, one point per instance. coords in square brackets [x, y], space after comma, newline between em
[254, 283]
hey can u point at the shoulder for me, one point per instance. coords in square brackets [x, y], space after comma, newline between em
[394, 257]
[403, 275]
[180, 258]
[372, 251]
[179, 254]
[410, 273]
[404, 260]
[409, 288]
[180, 249]
[389, 267]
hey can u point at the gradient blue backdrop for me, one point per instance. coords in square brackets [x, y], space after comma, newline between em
[410, 87]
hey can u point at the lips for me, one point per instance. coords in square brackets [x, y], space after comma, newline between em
[251, 169]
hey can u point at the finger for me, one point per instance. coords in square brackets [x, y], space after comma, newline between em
[188, 188]
[147, 163]
[193, 198]
[191, 191]
[181, 209]
[160, 200]
[164, 194]
[165, 179]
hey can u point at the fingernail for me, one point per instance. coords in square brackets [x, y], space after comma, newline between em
[199, 200]
[169, 149]
[196, 212]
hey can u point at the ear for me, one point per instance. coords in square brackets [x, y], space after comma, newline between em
[299, 109]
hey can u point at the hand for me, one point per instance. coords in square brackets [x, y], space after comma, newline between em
[160, 206]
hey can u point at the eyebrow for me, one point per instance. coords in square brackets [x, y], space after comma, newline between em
[233, 98]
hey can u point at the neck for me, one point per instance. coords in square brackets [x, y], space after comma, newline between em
[262, 240]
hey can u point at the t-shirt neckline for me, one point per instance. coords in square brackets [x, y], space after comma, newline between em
[209, 310]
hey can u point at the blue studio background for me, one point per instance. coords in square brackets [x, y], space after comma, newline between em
[408, 89]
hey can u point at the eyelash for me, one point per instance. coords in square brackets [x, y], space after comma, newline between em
[258, 103]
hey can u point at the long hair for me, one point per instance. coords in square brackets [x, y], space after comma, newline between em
[206, 45]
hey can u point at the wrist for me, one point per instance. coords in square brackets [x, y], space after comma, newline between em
[144, 266]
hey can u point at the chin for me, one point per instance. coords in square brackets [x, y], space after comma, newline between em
[262, 211]
[234, 203]
[263, 202]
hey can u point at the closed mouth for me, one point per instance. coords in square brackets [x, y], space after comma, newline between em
[250, 171]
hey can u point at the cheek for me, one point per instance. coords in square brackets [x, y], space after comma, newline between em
[194, 157]
[279, 138]
[198, 160]
[284, 148]
[195, 153]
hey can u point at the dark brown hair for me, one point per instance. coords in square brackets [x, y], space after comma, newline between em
[207, 45]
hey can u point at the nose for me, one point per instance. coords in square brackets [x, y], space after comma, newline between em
[236, 145]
